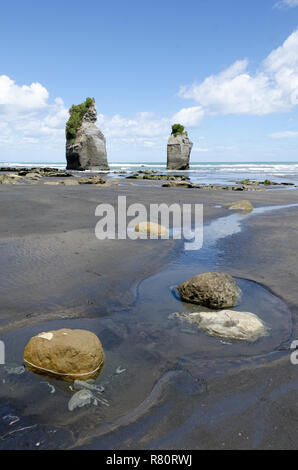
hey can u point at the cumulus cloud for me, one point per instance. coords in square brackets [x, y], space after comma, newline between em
[189, 117]
[27, 117]
[19, 98]
[145, 129]
[273, 88]
[144, 124]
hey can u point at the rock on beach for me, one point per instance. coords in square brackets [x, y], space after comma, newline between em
[213, 290]
[228, 324]
[66, 354]
[151, 228]
[87, 151]
[178, 151]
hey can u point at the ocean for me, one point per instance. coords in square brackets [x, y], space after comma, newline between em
[203, 172]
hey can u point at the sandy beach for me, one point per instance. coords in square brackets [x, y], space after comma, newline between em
[148, 228]
[166, 387]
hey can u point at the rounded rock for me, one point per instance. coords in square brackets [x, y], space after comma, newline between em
[151, 228]
[230, 324]
[212, 290]
[66, 354]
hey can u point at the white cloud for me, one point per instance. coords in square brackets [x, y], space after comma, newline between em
[189, 117]
[146, 129]
[27, 117]
[273, 88]
[143, 130]
[286, 3]
[143, 125]
[22, 97]
[284, 135]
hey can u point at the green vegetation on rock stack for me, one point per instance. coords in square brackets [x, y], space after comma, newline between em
[77, 113]
[177, 129]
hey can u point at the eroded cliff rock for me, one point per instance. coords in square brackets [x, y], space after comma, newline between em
[178, 149]
[85, 143]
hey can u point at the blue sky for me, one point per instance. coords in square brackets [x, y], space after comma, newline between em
[226, 69]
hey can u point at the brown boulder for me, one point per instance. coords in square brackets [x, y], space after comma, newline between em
[152, 229]
[66, 354]
[213, 290]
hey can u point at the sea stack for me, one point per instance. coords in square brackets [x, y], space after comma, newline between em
[178, 149]
[85, 143]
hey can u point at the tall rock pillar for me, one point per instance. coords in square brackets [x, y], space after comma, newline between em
[178, 149]
[85, 143]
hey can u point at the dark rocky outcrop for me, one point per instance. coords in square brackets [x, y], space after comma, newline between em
[266, 182]
[142, 175]
[178, 151]
[50, 172]
[86, 145]
[179, 184]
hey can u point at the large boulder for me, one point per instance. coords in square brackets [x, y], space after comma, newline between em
[213, 290]
[229, 324]
[178, 151]
[65, 354]
[85, 143]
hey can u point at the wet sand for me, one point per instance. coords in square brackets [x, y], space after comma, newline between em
[179, 390]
